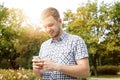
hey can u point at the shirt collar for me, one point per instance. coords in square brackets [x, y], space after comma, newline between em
[60, 39]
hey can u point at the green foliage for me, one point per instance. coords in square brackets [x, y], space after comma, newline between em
[28, 45]
[10, 22]
[111, 58]
[108, 70]
[17, 43]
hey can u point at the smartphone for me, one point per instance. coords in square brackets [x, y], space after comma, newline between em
[36, 57]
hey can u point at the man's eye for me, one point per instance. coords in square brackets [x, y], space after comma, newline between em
[50, 25]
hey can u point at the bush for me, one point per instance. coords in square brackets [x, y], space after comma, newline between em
[107, 70]
[21, 74]
[82, 79]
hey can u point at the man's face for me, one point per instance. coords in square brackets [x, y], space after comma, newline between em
[52, 27]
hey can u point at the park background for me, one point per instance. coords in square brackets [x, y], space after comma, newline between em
[98, 23]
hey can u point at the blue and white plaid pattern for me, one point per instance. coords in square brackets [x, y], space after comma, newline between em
[67, 50]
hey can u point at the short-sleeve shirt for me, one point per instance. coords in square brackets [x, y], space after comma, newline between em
[66, 50]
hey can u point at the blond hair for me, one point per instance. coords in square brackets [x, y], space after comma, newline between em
[50, 11]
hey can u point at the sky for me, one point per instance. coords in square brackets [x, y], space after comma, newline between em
[32, 8]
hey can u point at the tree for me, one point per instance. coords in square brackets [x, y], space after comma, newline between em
[18, 43]
[28, 45]
[98, 26]
[3, 18]
[10, 22]
[112, 40]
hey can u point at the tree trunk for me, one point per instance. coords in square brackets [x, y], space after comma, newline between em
[99, 61]
[94, 64]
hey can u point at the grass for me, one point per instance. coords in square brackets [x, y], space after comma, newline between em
[107, 76]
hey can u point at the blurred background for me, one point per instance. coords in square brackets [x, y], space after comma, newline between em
[21, 34]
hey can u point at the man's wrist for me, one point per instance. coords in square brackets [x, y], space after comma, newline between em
[57, 67]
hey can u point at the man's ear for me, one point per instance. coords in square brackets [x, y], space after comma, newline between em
[60, 20]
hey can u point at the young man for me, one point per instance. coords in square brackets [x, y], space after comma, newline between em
[64, 56]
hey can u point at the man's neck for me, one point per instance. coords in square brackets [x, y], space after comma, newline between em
[56, 38]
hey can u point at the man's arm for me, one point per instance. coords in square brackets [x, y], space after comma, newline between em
[80, 70]
[37, 68]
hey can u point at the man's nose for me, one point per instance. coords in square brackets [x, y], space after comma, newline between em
[48, 29]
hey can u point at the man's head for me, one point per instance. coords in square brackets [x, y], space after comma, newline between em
[50, 11]
[51, 21]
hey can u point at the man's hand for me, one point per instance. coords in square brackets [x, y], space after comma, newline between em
[37, 67]
[49, 65]
[37, 64]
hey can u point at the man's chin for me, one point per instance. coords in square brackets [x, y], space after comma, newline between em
[51, 36]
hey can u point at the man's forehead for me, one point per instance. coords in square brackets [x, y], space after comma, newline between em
[48, 20]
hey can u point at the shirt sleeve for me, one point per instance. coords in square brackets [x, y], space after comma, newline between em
[80, 49]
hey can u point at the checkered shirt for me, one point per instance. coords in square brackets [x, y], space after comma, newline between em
[67, 50]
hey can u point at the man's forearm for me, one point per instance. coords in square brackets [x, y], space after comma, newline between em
[38, 73]
[75, 70]
[81, 69]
